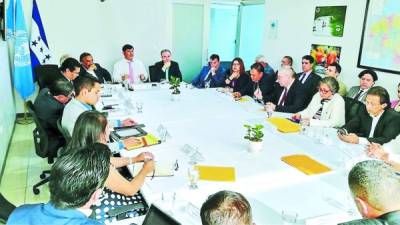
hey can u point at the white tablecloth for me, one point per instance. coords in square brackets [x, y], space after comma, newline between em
[213, 122]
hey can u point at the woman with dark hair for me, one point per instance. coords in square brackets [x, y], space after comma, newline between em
[92, 127]
[236, 78]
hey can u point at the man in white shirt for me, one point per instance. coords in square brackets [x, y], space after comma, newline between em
[87, 90]
[377, 123]
[128, 68]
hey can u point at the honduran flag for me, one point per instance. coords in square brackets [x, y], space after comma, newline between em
[40, 52]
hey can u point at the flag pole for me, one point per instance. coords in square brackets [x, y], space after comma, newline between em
[26, 119]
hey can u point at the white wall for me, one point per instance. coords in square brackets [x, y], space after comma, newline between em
[295, 19]
[7, 109]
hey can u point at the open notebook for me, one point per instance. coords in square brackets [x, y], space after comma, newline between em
[145, 141]
[161, 169]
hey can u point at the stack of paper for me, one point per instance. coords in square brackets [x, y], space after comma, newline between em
[305, 164]
[146, 140]
[216, 173]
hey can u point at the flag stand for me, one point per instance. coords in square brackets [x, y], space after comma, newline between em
[26, 119]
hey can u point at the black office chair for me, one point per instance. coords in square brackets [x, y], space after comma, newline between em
[352, 108]
[44, 74]
[64, 132]
[43, 147]
[5, 209]
[152, 72]
[225, 64]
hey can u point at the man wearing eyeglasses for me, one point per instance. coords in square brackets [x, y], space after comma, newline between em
[49, 106]
[308, 79]
[377, 123]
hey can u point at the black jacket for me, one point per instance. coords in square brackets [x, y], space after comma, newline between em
[158, 74]
[310, 86]
[387, 128]
[101, 73]
[391, 218]
[295, 100]
[239, 83]
[266, 84]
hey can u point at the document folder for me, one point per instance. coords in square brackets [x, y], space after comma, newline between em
[305, 164]
[284, 125]
[145, 141]
[216, 173]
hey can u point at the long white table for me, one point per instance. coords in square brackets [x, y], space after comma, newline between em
[213, 122]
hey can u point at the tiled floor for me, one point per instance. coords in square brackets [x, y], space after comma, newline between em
[22, 169]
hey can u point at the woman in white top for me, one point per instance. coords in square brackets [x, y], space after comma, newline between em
[326, 108]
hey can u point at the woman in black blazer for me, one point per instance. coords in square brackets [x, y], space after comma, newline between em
[236, 77]
[166, 67]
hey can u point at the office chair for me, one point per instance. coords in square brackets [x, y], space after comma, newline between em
[352, 108]
[44, 74]
[152, 70]
[43, 147]
[64, 132]
[5, 209]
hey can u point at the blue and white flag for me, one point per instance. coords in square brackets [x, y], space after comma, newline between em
[23, 80]
[40, 53]
[10, 20]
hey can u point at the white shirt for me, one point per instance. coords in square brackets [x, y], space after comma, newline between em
[122, 68]
[375, 120]
[333, 112]
[72, 110]
[283, 92]
[304, 76]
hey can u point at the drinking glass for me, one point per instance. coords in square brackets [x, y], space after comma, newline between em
[289, 217]
[193, 175]
[139, 107]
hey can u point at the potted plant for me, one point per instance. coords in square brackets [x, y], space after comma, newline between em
[175, 83]
[254, 134]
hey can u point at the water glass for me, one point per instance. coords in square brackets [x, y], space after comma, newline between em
[207, 84]
[193, 175]
[139, 107]
[289, 217]
[168, 200]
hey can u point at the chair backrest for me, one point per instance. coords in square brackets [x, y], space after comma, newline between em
[40, 136]
[5, 209]
[225, 64]
[64, 132]
[352, 108]
[152, 72]
[44, 74]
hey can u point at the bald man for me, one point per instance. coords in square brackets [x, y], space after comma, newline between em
[376, 190]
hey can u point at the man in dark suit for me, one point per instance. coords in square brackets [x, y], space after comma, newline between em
[260, 86]
[212, 75]
[69, 70]
[49, 106]
[367, 80]
[376, 191]
[289, 95]
[308, 79]
[165, 68]
[94, 69]
[376, 123]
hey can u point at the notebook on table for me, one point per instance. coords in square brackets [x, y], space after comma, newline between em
[306, 164]
[284, 125]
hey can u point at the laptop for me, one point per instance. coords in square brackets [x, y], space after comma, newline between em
[155, 216]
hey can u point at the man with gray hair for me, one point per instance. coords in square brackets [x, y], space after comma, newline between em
[376, 190]
[267, 68]
[226, 207]
[289, 95]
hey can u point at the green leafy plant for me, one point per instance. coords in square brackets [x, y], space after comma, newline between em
[254, 133]
[175, 83]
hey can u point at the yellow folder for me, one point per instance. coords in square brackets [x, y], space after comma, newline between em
[284, 125]
[216, 173]
[146, 140]
[305, 164]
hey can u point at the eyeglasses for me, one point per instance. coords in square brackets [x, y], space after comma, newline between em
[324, 91]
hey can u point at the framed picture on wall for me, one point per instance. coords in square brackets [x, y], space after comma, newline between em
[324, 55]
[3, 19]
[329, 21]
[379, 46]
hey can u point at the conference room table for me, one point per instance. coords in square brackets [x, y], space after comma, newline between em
[211, 121]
